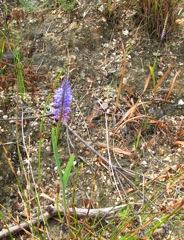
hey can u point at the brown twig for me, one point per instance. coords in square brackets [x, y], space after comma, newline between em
[161, 80]
[26, 118]
[52, 211]
[172, 86]
[122, 77]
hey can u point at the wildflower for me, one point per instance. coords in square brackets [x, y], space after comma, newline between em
[163, 33]
[62, 101]
[164, 29]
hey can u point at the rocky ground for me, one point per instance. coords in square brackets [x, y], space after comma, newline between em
[88, 44]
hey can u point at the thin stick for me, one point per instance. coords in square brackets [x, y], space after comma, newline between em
[109, 156]
[122, 77]
[100, 212]
[26, 118]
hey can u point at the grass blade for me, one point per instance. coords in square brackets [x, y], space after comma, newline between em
[68, 170]
[56, 155]
[172, 86]
[161, 80]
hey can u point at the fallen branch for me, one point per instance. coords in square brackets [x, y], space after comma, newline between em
[52, 211]
[26, 118]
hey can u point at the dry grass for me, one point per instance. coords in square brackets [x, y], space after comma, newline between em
[158, 16]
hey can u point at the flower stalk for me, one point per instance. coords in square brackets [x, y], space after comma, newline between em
[62, 101]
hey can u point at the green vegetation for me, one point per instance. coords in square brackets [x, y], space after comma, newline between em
[63, 176]
[29, 5]
[3, 37]
[18, 70]
[64, 4]
[67, 5]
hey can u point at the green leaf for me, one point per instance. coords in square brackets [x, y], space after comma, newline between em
[56, 155]
[2, 70]
[68, 170]
[125, 212]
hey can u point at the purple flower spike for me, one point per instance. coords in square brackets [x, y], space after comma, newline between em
[62, 101]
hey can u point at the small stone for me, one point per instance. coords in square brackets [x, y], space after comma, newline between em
[104, 105]
[73, 26]
[161, 151]
[55, 169]
[167, 159]
[155, 54]
[125, 32]
[48, 148]
[101, 9]
[174, 167]
[103, 20]
[112, 70]
[180, 102]
[109, 182]
[59, 15]
[144, 163]
[160, 73]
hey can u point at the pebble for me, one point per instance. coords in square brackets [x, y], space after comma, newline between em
[155, 54]
[180, 102]
[48, 148]
[112, 70]
[167, 159]
[73, 26]
[109, 182]
[144, 163]
[174, 167]
[160, 73]
[55, 169]
[101, 9]
[161, 151]
[125, 32]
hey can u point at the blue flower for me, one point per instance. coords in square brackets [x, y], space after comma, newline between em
[165, 25]
[62, 101]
